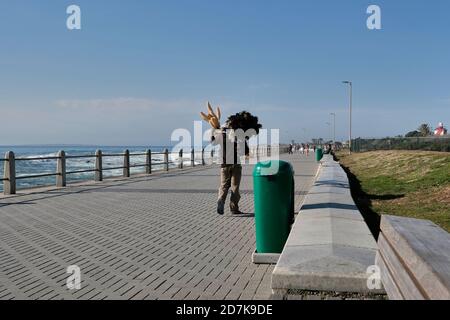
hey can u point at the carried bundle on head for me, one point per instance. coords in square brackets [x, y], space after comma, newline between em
[243, 120]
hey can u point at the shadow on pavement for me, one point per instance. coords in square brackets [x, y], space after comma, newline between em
[243, 215]
[329, 205]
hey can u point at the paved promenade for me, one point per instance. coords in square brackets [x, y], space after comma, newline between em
[147, 237]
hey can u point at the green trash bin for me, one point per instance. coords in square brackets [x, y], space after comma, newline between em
[319, 154]
[274, 204]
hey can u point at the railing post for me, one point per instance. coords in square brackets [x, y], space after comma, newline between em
[98, 166]
[193, 157]
[9, 173]
[257, 153]
[269, 151]
[126, 163]
[166, 159]
[180, 158]
[203, 156]
[61, 170]
[148, 161]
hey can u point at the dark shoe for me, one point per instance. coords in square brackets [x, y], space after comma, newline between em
[237, 212]
[220, 207]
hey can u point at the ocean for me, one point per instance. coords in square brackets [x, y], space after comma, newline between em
[32, 167]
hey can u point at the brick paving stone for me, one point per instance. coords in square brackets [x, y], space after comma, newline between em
[182, 294]
[234, 294]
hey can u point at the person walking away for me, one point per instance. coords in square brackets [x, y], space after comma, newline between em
[230, 168]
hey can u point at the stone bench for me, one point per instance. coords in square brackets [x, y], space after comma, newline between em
[414, 259]
[330, 247]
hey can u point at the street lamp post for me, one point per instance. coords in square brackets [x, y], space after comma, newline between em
[304, 135]
[334, 127]
[350, 115]
[329, 129]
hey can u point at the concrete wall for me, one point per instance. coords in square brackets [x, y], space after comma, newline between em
[330, 246]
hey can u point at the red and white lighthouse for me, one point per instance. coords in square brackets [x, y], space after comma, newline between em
[440, 130]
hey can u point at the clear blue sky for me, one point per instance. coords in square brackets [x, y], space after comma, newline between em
[139, 69]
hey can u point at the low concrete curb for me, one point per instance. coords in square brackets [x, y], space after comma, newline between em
[330, 247]
[265, 258]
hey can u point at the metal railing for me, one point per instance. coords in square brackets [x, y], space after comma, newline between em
[1, 163]
[10, 178]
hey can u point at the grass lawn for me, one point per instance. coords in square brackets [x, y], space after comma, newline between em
[404, 183]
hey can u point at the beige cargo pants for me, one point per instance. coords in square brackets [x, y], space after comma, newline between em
[230, 176]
